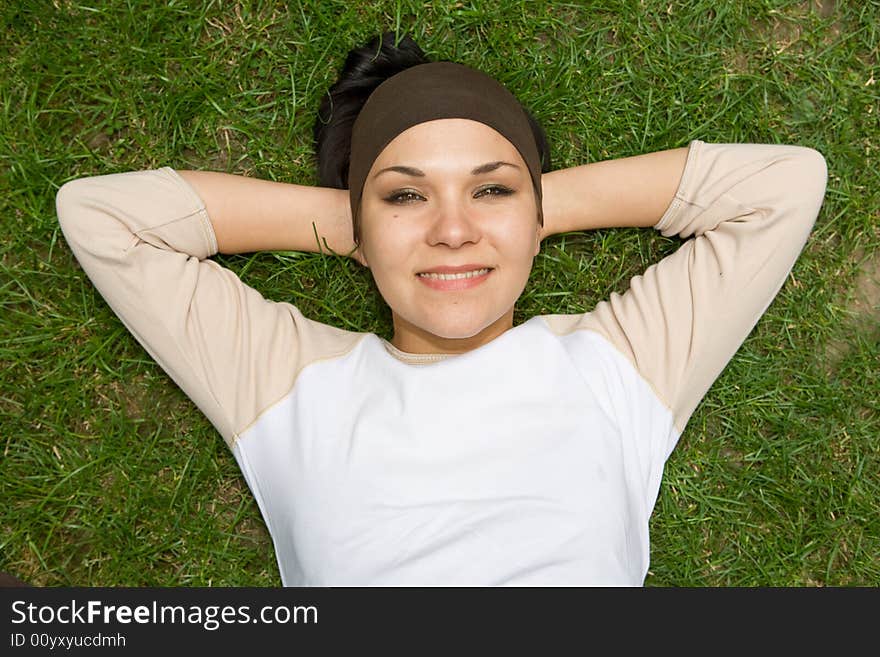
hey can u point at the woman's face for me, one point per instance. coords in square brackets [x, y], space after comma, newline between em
[436, 200]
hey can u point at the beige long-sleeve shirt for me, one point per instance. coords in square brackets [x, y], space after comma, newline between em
[535, 459]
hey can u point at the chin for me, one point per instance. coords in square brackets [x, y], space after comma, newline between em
[462, 327]
[453, 322]
[453, 330]
[461, 334]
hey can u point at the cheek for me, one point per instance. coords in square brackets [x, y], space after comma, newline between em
[519, 242]
[387, 249]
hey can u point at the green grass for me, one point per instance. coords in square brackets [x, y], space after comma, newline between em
[110, 476]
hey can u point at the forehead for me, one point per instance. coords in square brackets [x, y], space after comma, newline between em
[448, 139]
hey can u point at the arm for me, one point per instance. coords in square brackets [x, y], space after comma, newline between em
[745, 212]
[626, 192]
[144, 239]
[249, 214]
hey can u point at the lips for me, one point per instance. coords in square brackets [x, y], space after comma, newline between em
[457, 281]
[447, 269]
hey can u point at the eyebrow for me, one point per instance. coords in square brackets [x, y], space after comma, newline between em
[476, 171]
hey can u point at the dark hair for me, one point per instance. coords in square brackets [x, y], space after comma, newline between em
[365, 69]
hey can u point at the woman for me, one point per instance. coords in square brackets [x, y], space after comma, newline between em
[466, 450]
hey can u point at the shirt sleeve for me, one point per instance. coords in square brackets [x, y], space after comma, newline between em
[746, 211]
[144, 239]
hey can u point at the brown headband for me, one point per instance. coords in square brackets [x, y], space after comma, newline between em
[437, 90]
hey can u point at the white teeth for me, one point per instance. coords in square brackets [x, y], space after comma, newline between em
[450, 277]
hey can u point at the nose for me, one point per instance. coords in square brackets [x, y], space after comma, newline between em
[454, 225]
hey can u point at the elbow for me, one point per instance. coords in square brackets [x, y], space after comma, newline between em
[816, 166]
[795, 185]
[70, 202]
[810, 176]
[79, 214]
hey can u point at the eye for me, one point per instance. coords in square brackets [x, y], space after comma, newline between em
[403, 196]
[497, 190]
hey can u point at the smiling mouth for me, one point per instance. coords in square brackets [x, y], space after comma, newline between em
[455, 282]
[458, 276]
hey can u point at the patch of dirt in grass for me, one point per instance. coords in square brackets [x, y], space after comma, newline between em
[231, 154]
[77, 542]
[225, 504]
[825, 8]
[229, 24]
[150, 401]
[134, 397]
[32, 258]
[566, 23]
[736, 61]
[25, 564]
[733, 458]
[780, 35]
[861, 303]
[782, 29]
[253, 532]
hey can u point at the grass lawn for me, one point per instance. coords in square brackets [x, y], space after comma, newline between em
[110, 476]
